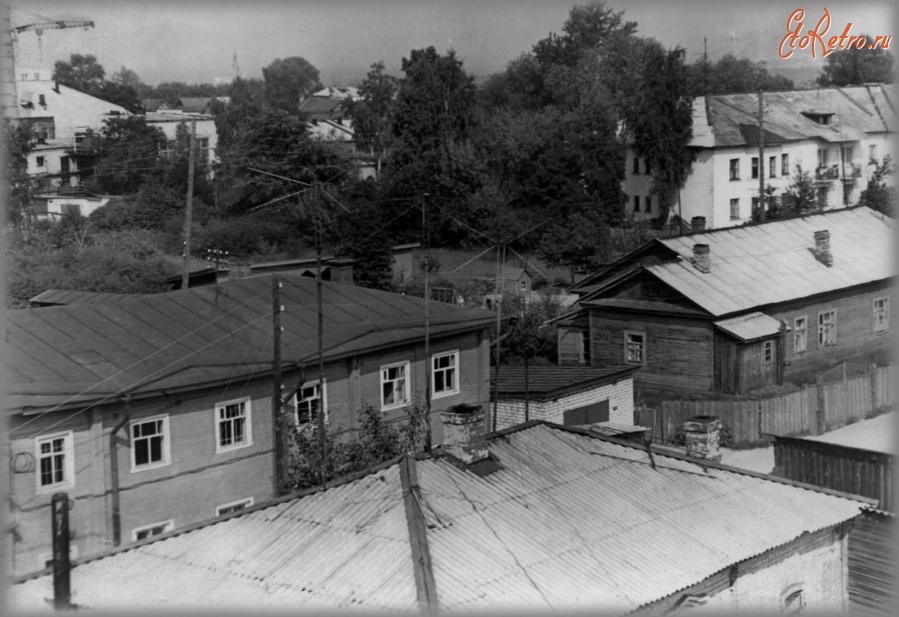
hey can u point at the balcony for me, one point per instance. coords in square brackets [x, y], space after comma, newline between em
[827, 173]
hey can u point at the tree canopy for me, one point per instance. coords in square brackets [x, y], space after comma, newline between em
[288, 81]
[854, 67]
[730, 74]
[85, 74]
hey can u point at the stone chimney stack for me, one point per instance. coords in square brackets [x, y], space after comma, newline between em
[822, 247]
[342, 270]
[702, 437]
[701, 259]
[697, 223]
[463, 433]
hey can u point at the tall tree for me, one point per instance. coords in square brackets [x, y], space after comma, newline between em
[879, 195]
[85, 74]
[730, 74]
[288, 81]
[128, 154]
[17, 185]
[372, 115]
[854, 67]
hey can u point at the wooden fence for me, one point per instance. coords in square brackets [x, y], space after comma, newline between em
[851, 470]
[815, 409]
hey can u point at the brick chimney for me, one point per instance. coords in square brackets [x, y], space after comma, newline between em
[463, 433]
[697, 223]
[701, 259]
[342, 270]
[822, 247]
[702, 437]
[239, 270]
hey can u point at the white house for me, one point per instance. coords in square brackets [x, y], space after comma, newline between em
[838, 135]
[168, 121]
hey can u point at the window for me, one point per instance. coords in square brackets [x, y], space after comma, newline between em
[142, 533]
[309, 400]
[734, 209]
[150, 443]
[735, 169]
[872, 154]
[41, 161]
[768, 352]
[822, 157]
[234, 506]
[755, 204]
[636, 203]
[394, 385]
[649, 203]
[881, 314]
[772, 166]
[785, 164]
[800, 335]
[827, 328]
[846, 152]
[634, 347]
[233, 428]
[585, 346]
[636, 165]
[444, 373]
[822, 197]
[755, 167]
[523, 285]
[55, 462]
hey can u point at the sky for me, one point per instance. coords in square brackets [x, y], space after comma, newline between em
[196, 40]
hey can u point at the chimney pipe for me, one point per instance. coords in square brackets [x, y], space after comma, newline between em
[463, 433]
[697, 223]
[701, 260]
[822, 247]
[702, 437]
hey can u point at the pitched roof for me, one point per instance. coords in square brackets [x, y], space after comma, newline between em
[550, 382]
[319, 105]
[569, 520]
[68, 296]
[195, 103]
[759, 265]
[750, 327]
[65, 355]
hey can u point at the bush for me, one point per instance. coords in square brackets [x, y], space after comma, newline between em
[247, 235]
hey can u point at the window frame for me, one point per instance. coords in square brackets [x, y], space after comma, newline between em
[407, 370]
[627, 344]
[456, 371]
[40, 161]
[886, 315]
[772, 166]
[169, 526]
[754, 168]
[785, 164]
[833, 338]
[804, 331]
[636, 203]
[68, 462]
[166, 443]
[734, 169]
[586, 342]
[247, 502]
[768, 352]
[636, 168]
[322, 385]
[248, 425]
[735, 207]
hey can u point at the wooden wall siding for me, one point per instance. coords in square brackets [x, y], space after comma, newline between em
[754, 371]
[812, 410]
[678, 351]
[726, 365]
[851, 470]
[856, 340]
[570, 345]
[872, 564]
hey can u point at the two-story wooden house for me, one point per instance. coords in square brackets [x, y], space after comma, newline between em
[155, 412]
[738, 309]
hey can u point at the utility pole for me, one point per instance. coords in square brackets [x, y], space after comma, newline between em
[62, 581]
[499, 289]
[705, 67]
[188, 213]
[277, 409]
[761, 159]
[429, 367]
[322, 442]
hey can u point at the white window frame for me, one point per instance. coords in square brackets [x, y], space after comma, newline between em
[768, 352]
[735, 209]
[166, 444]
[68, 461]
[755, 168]
[803, 331]
[168, 526]
[248, 425]
[322, 386]
[407, 370]
[785, 164]
[455, 368]
[247, 502]
[772, 166]
[822, 343]
[627, 347]
[883, 325]
[734, 169]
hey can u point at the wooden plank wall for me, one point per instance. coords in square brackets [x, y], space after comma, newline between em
[872, 566]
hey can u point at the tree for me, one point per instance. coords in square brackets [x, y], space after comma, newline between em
[128, 154]
[372, 115]
[879, 195]
[18, 187]
[364, 240]
[801, 196]
[289, 81]
[854, 67]
[731, 74]
[81, 72]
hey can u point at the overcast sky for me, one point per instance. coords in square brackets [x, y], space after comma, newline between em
[195, 41]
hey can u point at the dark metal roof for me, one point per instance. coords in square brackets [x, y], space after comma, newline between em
[52, 297]
[551, 382]
[186, 339]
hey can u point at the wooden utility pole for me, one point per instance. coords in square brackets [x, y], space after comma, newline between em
[761, 159]
[277, 441]
[322, 442]
[499, 289]
[62, 582]
[429, 370]
[188, 212]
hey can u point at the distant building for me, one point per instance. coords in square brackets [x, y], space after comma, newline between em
[168, 122]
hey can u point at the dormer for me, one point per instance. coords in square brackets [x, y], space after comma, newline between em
[819, 117]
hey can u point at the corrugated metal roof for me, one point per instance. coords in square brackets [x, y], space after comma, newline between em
[191, 337]
[68, 296]
[759, 265]
[750, 327]
[570, 521]
[554, 381]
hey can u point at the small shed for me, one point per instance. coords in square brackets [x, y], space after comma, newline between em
[403, 263]
[573, 396]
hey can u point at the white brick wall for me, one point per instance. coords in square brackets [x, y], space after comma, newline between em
[621, 405]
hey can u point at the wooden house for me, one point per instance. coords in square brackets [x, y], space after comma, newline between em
[155, 412]
[737, 309]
